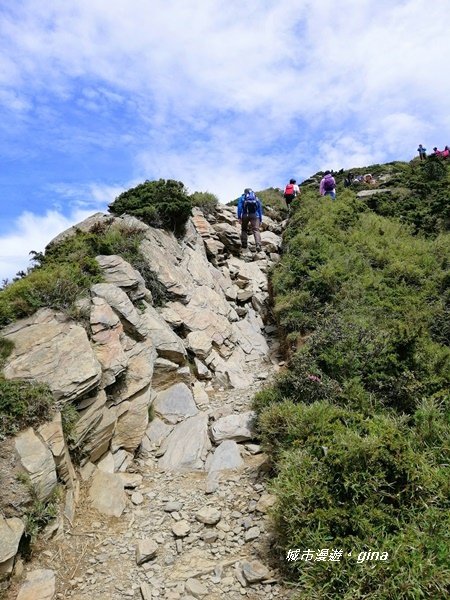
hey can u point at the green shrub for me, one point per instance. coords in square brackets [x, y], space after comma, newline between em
[206, 201]
[23, 404]
[357, 426]
[162, 203]
[68, 269]
[359, 486]
[6, 347]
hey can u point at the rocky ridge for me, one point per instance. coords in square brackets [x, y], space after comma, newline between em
[182, 494]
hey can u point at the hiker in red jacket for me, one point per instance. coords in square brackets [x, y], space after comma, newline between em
[291, 191]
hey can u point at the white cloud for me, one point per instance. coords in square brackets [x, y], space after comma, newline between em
[32, 232]
[221, 94]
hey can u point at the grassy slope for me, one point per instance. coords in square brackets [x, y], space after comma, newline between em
[358, 426]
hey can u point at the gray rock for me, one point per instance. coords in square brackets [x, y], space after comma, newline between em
[118, 271]
[181, 528]
[122, 305]
[38, 585]
[145, 550]
[196, 588]
[174, 403]
[37, 461]
[186, 446]
[107, 335]
[237, 427]
[107, 494]
[52, 434]
[254, 571]
[132, 423]
[208, 515]
[11, 531]
[225, 456]
[252, 534]
[265, 503]
[173, 506]
[46, 348]
[167, 343]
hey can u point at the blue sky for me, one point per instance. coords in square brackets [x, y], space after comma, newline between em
[99, 95]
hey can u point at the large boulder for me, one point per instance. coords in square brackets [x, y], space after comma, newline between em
[186, 447]
[237, 427]
[175, 403]
[163, 255]
[51, 349]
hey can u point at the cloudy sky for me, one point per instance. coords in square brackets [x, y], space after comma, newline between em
[99, 95]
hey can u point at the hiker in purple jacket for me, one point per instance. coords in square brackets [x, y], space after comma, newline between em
[328, 185]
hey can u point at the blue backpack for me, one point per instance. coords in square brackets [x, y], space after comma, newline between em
[250, 203]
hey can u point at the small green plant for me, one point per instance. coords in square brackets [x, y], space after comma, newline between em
[23, 404]
[69, 418]
[6, 347]
[206, 201]
[39, 512]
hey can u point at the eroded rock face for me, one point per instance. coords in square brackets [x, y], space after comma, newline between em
[118, 271]
[50, 349]
[37, 462]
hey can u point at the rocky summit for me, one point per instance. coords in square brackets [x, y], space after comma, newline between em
[161, 480]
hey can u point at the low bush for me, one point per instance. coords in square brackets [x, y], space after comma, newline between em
[206, 201]
[68, 269]
[357, 426]
[23, 404]
[162, 203]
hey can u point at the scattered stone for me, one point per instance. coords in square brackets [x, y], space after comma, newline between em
[145, 551]
[265, 503]
[196, 588]
[209, 515]
[254, 571]
[252, 534]
[146, 591]
[137, 498]
[172, 507]
[181, 528]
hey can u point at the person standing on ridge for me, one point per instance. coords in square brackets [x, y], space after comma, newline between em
[328, 185]
[422, 152]
[291, 191]
[249, 212]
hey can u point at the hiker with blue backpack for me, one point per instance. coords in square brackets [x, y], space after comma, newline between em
[328, 185]
[249, 212]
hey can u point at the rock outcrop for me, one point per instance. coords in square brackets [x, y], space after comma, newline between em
[139, 376]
